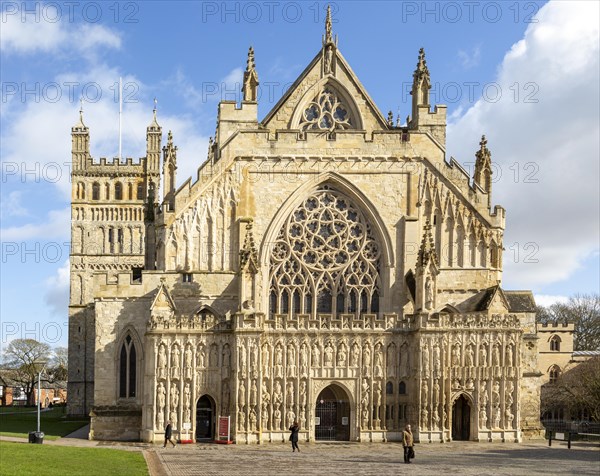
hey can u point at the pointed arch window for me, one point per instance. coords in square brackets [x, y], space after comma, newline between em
[328, 112]
[127, 369]
[325, 259]
[96, 191]
[555, 343]
[402, 388]
[118, 191]
[140, 191]
[554, 373]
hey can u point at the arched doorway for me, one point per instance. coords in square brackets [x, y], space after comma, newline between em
[332, 415]
[461, 419]
[205, 418]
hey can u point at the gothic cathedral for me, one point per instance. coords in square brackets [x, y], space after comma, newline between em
[327, 266]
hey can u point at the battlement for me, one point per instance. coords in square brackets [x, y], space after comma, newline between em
[562, 325]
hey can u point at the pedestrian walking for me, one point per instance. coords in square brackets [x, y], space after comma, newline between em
[168, 434]
[294, 436]
[407, 442]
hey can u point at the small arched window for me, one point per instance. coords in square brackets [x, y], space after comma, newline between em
[127, 369]
[389, 388]
[118, 191]
[402, 388]
[555, 343]
[96, 191]
[554, 373]
[140, 191]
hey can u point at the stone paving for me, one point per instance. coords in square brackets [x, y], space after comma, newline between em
[530, 458]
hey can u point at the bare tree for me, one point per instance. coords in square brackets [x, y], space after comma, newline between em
[584, 311]
[23, 357]
[58, 365]
[576, 390]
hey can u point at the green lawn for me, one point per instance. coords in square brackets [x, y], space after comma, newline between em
[25, 459]
[53, 422]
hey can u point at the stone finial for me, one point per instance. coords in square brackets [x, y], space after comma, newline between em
[483, 166]
[390, 119]
[328, 34]
[250, 85]
[421, 72]
[154, 124]
[427, 252]
[249, 253]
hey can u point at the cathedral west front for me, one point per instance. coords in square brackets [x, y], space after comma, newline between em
[326, 266]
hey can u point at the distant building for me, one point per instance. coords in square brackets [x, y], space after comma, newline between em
[13, 394]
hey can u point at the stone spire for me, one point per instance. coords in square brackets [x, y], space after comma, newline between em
[154, 124]
[169, 172]
[80, 142]
[328, 35]
[427, 252]
[80, 124]
[250, 86]
[421, 85]
[483, 166]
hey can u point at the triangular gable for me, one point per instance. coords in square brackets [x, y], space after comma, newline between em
[163, 299]
[497, 302]
[308, 85]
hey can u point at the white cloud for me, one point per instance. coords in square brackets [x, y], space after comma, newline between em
[470, 59]
[545, 143]
[49, 33]
[57, 225]
[12, 207]
[57, 289]
[548, 299]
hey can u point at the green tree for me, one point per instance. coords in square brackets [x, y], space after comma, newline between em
[23, 357]
[584, 311]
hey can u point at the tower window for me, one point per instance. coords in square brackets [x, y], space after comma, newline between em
[140, 191]
[555, 344]
[96, 191]
[187, 277]
[554, 373]
[118, 191]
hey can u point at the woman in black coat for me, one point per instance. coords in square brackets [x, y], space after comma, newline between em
[294, 436]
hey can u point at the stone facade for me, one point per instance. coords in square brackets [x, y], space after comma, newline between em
[327, 266]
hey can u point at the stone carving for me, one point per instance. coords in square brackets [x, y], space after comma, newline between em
[242, 394]
[469, 356]
[212, 358]
[436, 391]
[243, 359]
[435, 418]
[291, 361]
[254, 359]
[316, 355]
[174, 396]
[496, 355]
[508, 360]
[424, 418]
[188, 362]
[162, 362]
[424, 392]
[304, 361]
[303, 394]
[496, 392]
[253, 394]
[290, 417]
[425, 359]
[367, 360]
[277, 419]
[378, 362]
[328, 59]
[483, 356]
[355, 357]
[455, 355]
[302, 418]
[266, 360]
[278, 361]
[226, 356]
[327, 111]
[241, 419]
[496, 416]
[175, 369]
[277, 393]
[428, 293]
[201, 357]
[328, 355]
[160, 404]
[437, 361]
[252, 419]
[342, 355]
[290, 394]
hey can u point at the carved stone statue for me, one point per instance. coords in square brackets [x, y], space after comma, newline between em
[437, 361]
[278, 362]
[242, 394]
[201, 357]
[266, 360]
[226, 356]
[160, 404]
[212, 358]
[496, 391]
[277, 419]
[254, 359]
[378, 363]
[253, 394]
[188, 362]
[316, 355]
[367, 360]
[428, 293]
[365, 392]
[304, 360]
[391, 360]
[436, 391]
[328, 59]
[291, 361]
[355, 357]
[162, 362]
[496, 355]
[341, 355]
[508, 359]
[425, 359]
[243, 359]
[277, 393]
[290, 394]
[303, 394]
[483, 356]
[469, 356]
[455, 355]
[328, 355]
[290, 417]
[175, 370]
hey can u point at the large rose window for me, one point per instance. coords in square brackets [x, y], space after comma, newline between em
[325, 259]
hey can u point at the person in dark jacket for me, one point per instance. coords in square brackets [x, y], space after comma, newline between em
[407, 442]
[168, 434]
[294, 436]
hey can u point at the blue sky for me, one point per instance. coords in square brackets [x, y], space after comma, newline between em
[525, 74]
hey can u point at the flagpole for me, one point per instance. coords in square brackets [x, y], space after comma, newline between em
[120, 115]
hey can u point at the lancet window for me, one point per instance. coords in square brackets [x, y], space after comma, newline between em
[325, 259]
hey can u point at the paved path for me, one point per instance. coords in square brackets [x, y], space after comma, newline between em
[382, 459]
[349, 459]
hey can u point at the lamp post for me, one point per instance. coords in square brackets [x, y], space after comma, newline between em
[39, 399]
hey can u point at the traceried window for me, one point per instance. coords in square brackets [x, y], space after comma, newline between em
[555, 343]
[325, 259]
[554, 373]
[326, 112]
[127, 369]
